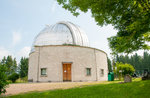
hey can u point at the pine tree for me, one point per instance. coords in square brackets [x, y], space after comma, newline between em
[140, 63]
[14, 67]
[10, 64]
[146, 61]
[109, 65]
[23, 67]
[3, 60]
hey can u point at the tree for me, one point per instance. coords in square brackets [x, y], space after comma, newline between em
[13, 77]
[125, 68]
[14, 67]
[11, 65]
[23, 67]
[146, 61]
[129, 17]
[109, 65]
[3, 62]
[3, 79]
[140, 63]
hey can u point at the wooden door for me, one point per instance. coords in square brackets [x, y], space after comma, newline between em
[66, 72]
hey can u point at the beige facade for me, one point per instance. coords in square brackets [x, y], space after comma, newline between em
[52, 57]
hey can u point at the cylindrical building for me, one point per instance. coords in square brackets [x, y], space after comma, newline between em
[61, 52]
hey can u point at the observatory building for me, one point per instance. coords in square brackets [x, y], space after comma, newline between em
[61, 52]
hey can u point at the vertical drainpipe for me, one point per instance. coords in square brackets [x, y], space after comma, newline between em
[95, 64]
[38, 65]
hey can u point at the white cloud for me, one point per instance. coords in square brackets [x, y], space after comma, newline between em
[4, 52]
[16, 38]
[53, 6]
[24, 52]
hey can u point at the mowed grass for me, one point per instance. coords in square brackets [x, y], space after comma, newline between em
[136, 89]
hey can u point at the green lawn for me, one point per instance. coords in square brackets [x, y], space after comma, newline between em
[136, 89]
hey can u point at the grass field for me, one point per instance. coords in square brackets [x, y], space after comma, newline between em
[136, 89]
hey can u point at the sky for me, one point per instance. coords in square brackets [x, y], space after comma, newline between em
[22, 20]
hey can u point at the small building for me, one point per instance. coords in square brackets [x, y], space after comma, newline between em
[61, 52]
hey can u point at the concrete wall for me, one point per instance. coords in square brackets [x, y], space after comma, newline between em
[52, 57]
[33, 66]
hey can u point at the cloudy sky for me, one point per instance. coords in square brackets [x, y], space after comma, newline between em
[22, 20]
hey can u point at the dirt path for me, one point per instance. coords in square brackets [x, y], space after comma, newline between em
[26, 87]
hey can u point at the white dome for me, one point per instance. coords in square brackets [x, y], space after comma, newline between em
[61, 33]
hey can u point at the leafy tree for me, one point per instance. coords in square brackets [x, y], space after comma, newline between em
[3, 62]
[125, 68]
[3, 79]
[23, 67]
[10, 64]
[140, 63]
[14, 67]
[129, 17]
[109, 65]
[146, 60]
[13, 77]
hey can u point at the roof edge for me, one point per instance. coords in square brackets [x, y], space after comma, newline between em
[70, 46]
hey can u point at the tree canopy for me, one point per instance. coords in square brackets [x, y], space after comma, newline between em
[23, 67]
[130, 17]
[140, 63]
[109, 65]
[3, 79]
[10, 64]
[125, 68]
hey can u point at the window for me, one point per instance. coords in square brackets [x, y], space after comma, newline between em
[43, 71]
[88, 71]
[101, 72]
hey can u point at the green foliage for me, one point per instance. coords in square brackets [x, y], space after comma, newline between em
[22, 80]
[23, 67]
[129, 17]
[70, 45]
[109, 65]
[140, 63]
[125, 68]
[7, 67]
[10, 64]
[3, 79]
[13, 77]
[139, 89]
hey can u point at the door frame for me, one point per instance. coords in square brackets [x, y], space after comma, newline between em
[63, 73]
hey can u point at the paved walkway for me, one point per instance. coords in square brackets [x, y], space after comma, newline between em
[26, 87]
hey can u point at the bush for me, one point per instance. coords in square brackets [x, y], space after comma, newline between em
[25, 79]
[13, 77]
[3, 79]
[125, 68]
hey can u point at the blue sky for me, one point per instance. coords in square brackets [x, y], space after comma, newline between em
[22, 20]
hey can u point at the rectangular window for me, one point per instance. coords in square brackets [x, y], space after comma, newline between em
[88, 71]
[101, 72]
[43, 71]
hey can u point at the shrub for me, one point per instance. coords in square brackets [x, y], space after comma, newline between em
[25, 79]
[3, 79]
[125, 68]
[13, 77]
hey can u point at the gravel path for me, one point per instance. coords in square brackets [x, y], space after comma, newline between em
[26, 87]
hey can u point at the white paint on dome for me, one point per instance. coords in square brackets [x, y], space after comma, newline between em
[61, 33]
